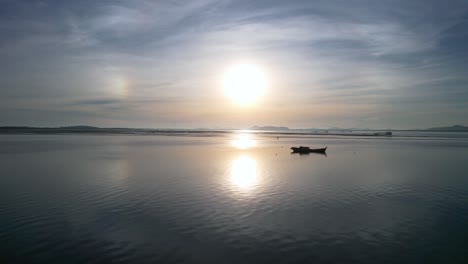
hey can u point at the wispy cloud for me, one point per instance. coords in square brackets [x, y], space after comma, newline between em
[159, 62]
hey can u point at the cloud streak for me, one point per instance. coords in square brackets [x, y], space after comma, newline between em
[156, 63]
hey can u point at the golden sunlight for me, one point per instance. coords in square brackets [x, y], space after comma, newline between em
[244, 172]
[244, 141]
[244, 83]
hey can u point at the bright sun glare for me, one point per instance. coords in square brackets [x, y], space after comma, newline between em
[244, 172]
[244, 141]
[244, 83]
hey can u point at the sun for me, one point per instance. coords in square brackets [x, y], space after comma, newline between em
[244, 83]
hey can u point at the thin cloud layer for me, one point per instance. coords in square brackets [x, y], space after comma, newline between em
[397, 64]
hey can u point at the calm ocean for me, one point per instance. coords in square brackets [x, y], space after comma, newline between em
[233, 198]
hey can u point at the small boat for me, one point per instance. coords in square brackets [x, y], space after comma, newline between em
[306, 150]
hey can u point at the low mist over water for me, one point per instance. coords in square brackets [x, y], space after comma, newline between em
[232, 198]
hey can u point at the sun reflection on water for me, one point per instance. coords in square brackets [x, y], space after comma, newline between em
[244, 172]
[244, 141]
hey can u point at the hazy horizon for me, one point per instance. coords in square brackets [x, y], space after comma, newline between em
[252, 127]
[392, 64]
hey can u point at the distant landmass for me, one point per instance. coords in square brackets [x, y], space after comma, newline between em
[451, 128]
[116, 130]
[269, 128]
[79, 127]
[82, 129]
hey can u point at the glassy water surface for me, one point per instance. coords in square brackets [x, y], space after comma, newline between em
[239, 198]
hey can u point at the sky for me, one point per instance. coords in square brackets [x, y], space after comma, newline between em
[159, 64]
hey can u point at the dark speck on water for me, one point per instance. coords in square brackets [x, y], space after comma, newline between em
[186, 199]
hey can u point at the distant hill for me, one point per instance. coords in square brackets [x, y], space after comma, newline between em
[269, 128]
[78, 127]
[451, 128]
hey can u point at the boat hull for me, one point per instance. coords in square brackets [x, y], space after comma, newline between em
[306, 150]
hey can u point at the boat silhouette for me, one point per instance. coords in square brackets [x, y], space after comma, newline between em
[307, 150]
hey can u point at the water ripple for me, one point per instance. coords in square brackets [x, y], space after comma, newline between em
[157, 204]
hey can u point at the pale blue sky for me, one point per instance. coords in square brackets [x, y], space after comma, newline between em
[377, 64]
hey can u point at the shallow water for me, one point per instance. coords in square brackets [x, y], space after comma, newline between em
[232, 199]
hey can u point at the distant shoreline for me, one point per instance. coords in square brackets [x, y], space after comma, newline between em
[204, 132]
